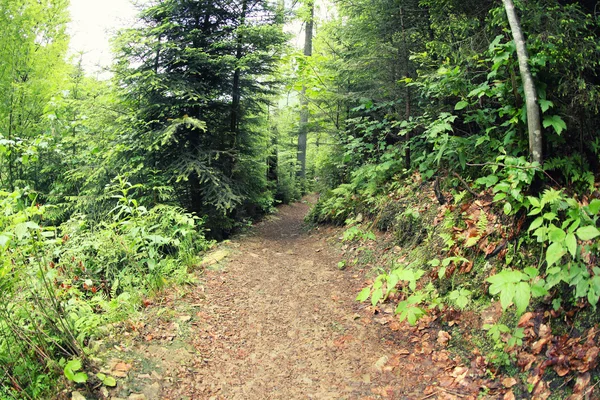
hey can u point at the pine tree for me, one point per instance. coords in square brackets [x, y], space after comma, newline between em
[197, 72]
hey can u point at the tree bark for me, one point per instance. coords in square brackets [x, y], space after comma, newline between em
[304, 113]
[236, 95]
[534, 125]
[407, 94]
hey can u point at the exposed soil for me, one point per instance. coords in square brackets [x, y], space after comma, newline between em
[277, 319]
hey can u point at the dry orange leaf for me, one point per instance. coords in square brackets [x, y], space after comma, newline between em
[120, 369]
[509, 395]
[525, 319]
[443, 338]
[509, 382]
[583, 380]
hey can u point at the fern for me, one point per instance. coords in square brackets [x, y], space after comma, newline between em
[482, 224]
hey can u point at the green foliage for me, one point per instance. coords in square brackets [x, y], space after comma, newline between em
[356, 233]
[386, 283]
[197, 88]
[570, 231]
[72, 372]
[80, 277]
[106, 380]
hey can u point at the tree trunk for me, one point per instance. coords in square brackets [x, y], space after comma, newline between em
[407, 94]
[236, 95]
[304, 114]
[534, 125]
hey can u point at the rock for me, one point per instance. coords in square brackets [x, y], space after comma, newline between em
[185, 318]
[77, 396]
[214, 258]
[381, 363]
[152, 392]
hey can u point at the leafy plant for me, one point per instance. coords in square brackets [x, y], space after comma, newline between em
[73, 371]
[106, 380]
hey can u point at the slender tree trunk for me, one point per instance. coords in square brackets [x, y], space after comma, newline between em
[236, 96]
[304, 113]
[273, 158]
[407, 93]
[534, 125]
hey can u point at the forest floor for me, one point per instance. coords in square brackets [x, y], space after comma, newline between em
[277, 319]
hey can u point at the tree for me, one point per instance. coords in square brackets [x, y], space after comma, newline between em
[32, 49]
[304, 111]
[196, 73]
[534, 125]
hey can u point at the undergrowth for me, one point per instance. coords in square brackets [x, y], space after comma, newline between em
[60, 286]
[537, 255]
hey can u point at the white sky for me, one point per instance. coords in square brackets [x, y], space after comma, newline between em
[92, 24]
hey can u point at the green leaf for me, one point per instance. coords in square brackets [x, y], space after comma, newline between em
[412, 315]
[538, 289]
[545, 105]
[364, 294]
[107, 380]
[507, 208]
[588, 232]
[522, 297]
[499, 196]
[536, 223]
[460, 105]
[376, 296]
[554, 253]
[80, 377]
[506, 296]
[571, 243]
[550, 216]
[531, 272]
[556, 122]
[555, 234]
[392, 281]
[534, 201]
[71, 373]
[442, 272]
[594, 206]
[21, 230]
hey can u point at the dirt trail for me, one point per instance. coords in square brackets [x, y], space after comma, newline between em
[278, 321]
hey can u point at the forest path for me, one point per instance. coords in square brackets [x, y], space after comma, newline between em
[278, 321]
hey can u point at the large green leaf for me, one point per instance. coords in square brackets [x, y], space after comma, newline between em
[588, 232]
[460, 105]
[522, 296]
[555, 122]
[364, 294]
[554, 253]
[571, 243]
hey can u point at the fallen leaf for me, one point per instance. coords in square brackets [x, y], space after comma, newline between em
[509, 382]
[583, 380]
[381, 363]
[509, 395]
[443, 338]
[545, 331]
[561, 370]
[403, 352]
[446, 381]
[537, 346]
[541, 391]
[120, 369]
[591, 357]
[524, 319]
